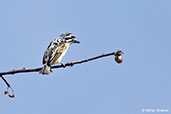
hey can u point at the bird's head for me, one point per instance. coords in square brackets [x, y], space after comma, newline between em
[70, 38]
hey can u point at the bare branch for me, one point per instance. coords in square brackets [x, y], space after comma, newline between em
[24, 70]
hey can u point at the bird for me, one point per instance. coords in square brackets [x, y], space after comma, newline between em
[56, 51]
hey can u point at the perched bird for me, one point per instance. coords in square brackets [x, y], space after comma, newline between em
[56, 51]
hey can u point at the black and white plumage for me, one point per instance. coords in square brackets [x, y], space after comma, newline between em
[56, 51]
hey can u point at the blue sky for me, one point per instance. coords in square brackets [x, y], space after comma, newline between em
[141, 28]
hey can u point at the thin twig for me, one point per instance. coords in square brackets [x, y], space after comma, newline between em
[8, 85]
[9, 88]
[24, 70]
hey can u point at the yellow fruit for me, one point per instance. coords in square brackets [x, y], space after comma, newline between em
[118, 59]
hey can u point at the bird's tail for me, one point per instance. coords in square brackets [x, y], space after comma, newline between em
[45, 70]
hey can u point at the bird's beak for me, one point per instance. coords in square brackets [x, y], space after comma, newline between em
[76, 41]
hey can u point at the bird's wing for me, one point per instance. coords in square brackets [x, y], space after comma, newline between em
[55, 55]
[54, 58]
[52, 53]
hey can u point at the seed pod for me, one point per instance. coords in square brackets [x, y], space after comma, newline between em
[5, 92]
[12, 96]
